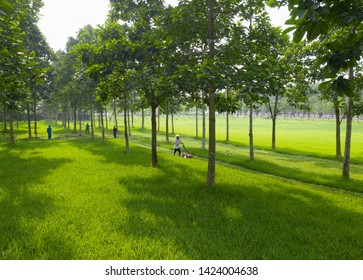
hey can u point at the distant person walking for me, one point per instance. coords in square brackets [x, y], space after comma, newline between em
[87, 128]
[114, 131]
[49, 131]
[177, 143]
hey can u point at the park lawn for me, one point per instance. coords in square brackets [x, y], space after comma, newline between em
[75, 198]
[293, 136]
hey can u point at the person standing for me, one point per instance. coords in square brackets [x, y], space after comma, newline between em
[114, 131]
[177, 143]
[49, 131]
[87, 128]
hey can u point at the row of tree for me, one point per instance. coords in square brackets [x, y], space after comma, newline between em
[210, 55]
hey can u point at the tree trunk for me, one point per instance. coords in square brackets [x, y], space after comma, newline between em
[158, 114]
[154, 155]
[126, 128]
[172, 123]
[115, 112]
[75, 120]
[203, 127]
[212, 119]
[102, 128]
[92, 118]
[273, 146]
[250, 134]
[128, 119]
[35, 115]
[348, 134]
[142, 118]
[80, 123]
[338, 145]
[4, 120]
[227, 120]
[167, 122]
[106, 115]
[12, 136]
[29, 122]
[196, 121]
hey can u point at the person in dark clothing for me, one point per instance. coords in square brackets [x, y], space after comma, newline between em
[87, 128]
[49, 131]
[114, 131]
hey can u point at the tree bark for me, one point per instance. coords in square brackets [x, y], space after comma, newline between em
[338, 145]
[167, 122]
[102, 127]
[348, 134]
[273, 146]
[12, 136]
[250, 134]
[196, 121]
[126, 128]
[35, 115]
[29, 122]
[203, 125]
[154, 155]
[212, 120]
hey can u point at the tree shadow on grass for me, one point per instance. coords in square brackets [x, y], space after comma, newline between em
[301, 168]
[253, 217]
[24, 200]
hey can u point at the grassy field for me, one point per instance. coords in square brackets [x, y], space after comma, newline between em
[75, 198]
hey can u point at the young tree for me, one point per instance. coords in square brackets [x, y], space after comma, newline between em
[316, 19]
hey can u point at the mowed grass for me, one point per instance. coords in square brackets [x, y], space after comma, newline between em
[293, 136]
[75, 198]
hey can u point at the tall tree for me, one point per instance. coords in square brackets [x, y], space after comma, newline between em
[316, 19]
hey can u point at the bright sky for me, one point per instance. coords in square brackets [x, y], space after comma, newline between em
[61, 19]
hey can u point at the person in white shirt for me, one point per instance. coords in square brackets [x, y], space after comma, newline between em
[177, 143]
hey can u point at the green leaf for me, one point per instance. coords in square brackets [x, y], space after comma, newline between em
[299, 34]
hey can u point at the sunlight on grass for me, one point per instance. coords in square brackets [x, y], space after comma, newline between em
[76, 198]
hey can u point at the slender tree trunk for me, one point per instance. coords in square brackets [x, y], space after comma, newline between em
[92, 118]
[128, 119]
[4, 120]
[80, 122]
[167, 122]
[273, 118]
[172, 123]
[29, 121]
[203, 127]
[115, 112]
[338, 145]
[158, 112]
[250, 134]
[106, 117]
[196, 121]
[126, 128]
[102, 127]
[273, 113]
[212, 119]
[142, 118]
[227, 120]
[154, 156]
[75, 120]
[35, 115]
[12, 136]
[348, 134]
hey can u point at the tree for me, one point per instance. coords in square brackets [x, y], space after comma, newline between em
[316, 19]
[19, 65]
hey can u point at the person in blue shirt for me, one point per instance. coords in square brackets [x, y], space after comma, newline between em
[49, 131]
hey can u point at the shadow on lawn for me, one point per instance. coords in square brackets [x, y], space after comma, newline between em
[270, 220]
[22, 201]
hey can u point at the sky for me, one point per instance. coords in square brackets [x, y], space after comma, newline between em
[61, 19]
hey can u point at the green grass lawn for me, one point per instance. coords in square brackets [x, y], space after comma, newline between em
[75, 198]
